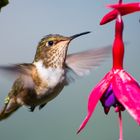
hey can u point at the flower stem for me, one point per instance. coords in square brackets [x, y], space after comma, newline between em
[120, 125]
[120, 1]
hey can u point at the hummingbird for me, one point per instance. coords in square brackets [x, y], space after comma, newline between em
[39, 82]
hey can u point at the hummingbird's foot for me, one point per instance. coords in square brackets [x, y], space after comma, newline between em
[6, 100]
[41, 106]
[31, 108]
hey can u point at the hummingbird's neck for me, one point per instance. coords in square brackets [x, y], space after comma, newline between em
[54, 58]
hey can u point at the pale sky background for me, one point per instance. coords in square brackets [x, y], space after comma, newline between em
[22, 24]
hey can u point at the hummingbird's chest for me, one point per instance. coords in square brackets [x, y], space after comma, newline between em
[50, 78]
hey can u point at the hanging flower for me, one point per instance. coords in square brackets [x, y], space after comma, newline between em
[124, 9]
[117, 89]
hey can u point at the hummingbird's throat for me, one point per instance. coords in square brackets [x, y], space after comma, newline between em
[56, 56]
[49, 76]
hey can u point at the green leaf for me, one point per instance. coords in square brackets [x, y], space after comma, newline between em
[3, 3]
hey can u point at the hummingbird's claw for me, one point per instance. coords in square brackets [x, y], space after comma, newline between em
[6, 100]
[31, 108]
[41, 106]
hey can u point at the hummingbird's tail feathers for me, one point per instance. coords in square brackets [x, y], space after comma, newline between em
[8, 110]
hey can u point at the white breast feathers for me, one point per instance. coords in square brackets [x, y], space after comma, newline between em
[50, 76]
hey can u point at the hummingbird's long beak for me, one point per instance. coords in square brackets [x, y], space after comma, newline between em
[77, 35]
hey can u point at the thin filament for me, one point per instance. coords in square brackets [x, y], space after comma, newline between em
[121, 126]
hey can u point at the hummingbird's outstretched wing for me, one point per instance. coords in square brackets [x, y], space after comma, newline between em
[81, 63]
[24, 70]
[18, 69]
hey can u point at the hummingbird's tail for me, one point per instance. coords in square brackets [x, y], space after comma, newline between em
[8, 109]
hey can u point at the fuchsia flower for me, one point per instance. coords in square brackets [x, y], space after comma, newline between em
[124, 9]
[117, 88]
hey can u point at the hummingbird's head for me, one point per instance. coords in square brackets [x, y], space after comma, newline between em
[52, 49]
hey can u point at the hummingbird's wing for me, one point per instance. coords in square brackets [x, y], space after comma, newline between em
[18, 69]
[24, 70]
[81, 63]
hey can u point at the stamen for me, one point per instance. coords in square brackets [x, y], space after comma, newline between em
[120, 125]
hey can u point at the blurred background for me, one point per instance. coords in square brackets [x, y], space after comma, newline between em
[22, 24]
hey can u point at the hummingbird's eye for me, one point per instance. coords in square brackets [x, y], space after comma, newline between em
[50, 43]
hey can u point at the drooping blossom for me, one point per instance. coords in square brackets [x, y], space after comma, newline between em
[117, 88]
[124, 9]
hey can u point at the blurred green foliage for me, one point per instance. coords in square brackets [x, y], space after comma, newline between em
[3, 3]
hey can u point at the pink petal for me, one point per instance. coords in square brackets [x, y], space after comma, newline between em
[127, 91]
[109, 17]
[124, 9]
[95, 96]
